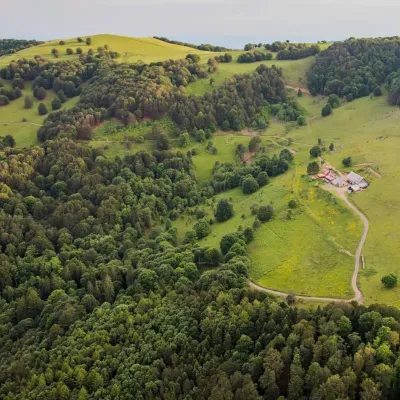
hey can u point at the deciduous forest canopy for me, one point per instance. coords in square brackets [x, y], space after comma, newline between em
[100, 297]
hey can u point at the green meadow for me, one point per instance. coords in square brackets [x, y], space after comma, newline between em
[12, 115]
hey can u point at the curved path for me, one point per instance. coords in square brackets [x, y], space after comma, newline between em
[357, 293]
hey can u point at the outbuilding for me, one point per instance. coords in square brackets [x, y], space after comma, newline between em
[358, 180]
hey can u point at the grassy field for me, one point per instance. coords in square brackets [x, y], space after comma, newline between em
[131, 49]
[11, 117]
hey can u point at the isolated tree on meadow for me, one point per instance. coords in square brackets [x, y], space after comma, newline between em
[334, 100]
[42, 109]
[326, 110]
[40, 93]
[61, 42]
[313, 168]
[28, 102]
[347, 162]
[8, 141]
[249, 185]
[224, 210]
[315, 151]
[69, 51]
[389, 281]
[331, 147]
[265, 213]
[79, 39]
[88, 41]
[79, 50]
[202, 228]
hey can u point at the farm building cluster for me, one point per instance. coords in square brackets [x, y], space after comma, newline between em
[354, 181]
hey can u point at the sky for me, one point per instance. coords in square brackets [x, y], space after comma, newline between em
[223, 22]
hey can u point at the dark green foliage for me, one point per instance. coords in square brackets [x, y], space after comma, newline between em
[7, 141]
[202, 228]
[302, 120]
[347, 162]
[39, 92]
[204, 47]
[56, 104]
[377, 92]
[331, 147]
[69, 51]
[292, 204]
[287, 111]
[28, 102]
[254, 144]
[313, 168]
[326, 110]
[355, 67]
[224, 210]
[262, 179]
[249, 185]
[389, 281]
[4, 100]
[265, 213]
[224, 58]
[61, 42]
[88, 41]
[298, 53]
[11, 46]
[334, 100]
[254, 56]
[42, 109]
[315, 151]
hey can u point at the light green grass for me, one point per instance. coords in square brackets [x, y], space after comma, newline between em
[113, 149]
[11, 117]
[131, 49]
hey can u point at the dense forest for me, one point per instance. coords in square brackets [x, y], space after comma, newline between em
[253, 56]
[298, 53]
[99, 300]
[355, 68]
[11, 46]
[204, 47]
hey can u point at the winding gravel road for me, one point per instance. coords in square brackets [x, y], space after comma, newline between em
[341, 192]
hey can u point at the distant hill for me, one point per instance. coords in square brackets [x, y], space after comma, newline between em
[131, 49]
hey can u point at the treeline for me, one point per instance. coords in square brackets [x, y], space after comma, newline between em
[99, 300]
[232, 106]
[204, 47]
[355, 68]
[229, 176]
[298, 53]
[278, 46]
[129, 92]
[254, 56]
[11, 46]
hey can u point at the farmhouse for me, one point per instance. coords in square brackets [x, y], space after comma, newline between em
[355, 179]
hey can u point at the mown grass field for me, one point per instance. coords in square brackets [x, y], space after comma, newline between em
[11, 117]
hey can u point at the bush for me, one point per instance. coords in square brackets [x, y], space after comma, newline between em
[224, 210]
[334, 100]
[249, 185]
[56, 104]
[292, 204]
[347, 162]
[302, 121]
[88, 41]
[42, 109]
[265, 213]
[69, 51]
[327, 110]
[79, 39]
[313, 168]
[40, 93]
[262, 179]
[389, 281]
[202, 228]
[315, 151]
[248, 235]
[8, 141]
[61, 43]
[28, 102]
[4, 100]
[79, 50]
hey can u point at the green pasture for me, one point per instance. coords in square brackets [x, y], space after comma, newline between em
[11, 117]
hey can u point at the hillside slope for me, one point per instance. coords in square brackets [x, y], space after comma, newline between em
[131, 49]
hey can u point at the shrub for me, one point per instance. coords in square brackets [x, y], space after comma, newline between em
[202, 228]
[262, 179]
[42, 109]
[334, 100]
[302, 121]
[326, 110]
[61, 43]
[347, 162]
[249, 185]
[69, 51]
[28, 102]
[248, 235]
[265, 213]
[389, 281]
[4, 100]
[377, 91]
[313, 168]
[56, 104]
[292, 204]
[224, 210]
[79, 50]
[315, 151]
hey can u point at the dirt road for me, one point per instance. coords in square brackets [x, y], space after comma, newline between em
[296, 89]
[341, 192]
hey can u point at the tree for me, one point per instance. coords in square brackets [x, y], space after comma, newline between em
[42, 109]
[254, 144]
[313, 168]
[162, 141]
[28, 102]
[8, 141]
[4, 100]
[334, 100]
[347, 162]
[331, 147]
[292, 204]
[299, 93]
[79, 50]
[389, 281]
[212, 81]
[61, 42]
[84, 132]
[88, 41]
[302, 120]
[61, 95]
[40, 93]
[265, 213]
[202, 228]
[326, 110]
[69, 51]
[262, 179]
[315, 151]
[56, 104]
[184, 140]
[79, 39]
[249, 185]
[224, 210]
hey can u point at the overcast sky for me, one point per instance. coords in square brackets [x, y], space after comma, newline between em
[230, 21]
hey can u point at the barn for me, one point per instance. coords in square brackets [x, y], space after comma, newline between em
[355, 179]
